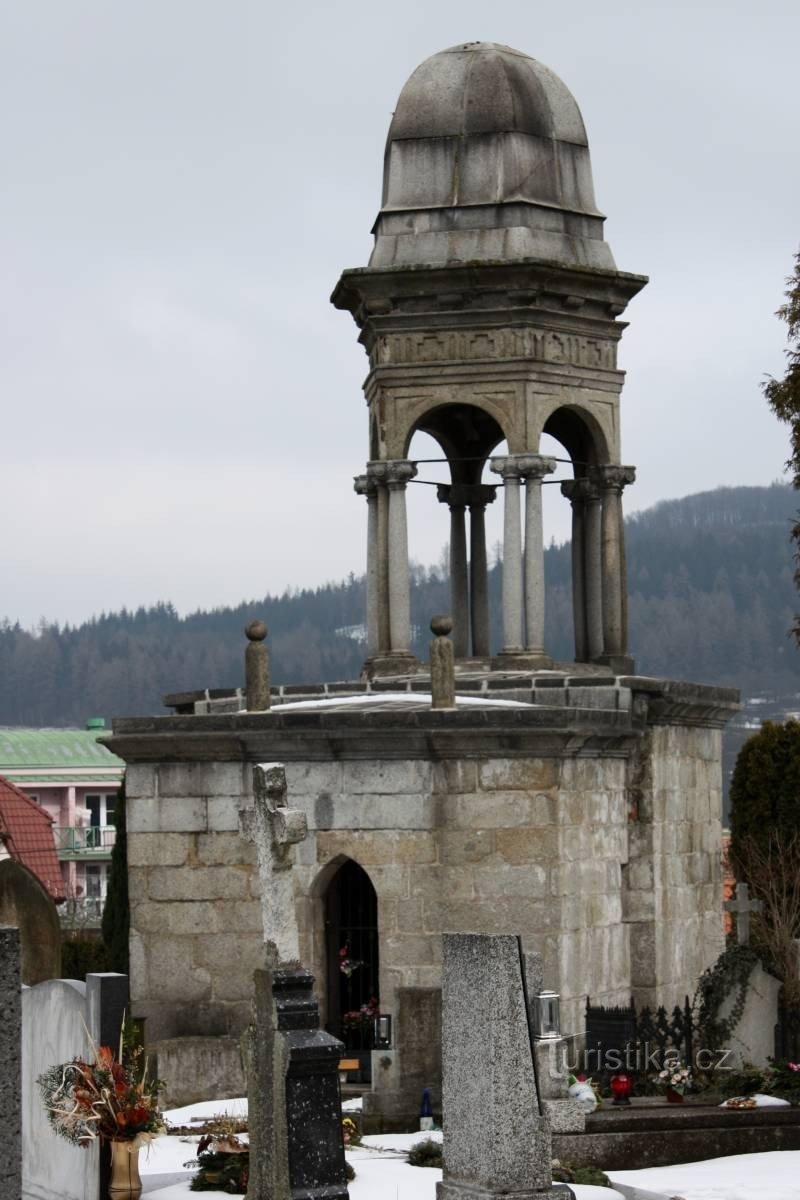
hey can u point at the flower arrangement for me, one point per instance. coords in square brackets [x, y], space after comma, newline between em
[361, 1018]
[348, 965]
[350, 1134]
[675, 1079]
[223, 1162]
[106, 1098]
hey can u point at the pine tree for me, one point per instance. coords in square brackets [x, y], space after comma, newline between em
[116, 913]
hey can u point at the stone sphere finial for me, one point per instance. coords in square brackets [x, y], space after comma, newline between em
[256, 631]
[441, 625]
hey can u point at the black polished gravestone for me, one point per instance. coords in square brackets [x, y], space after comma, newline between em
[313, 1098]
[294, 1100]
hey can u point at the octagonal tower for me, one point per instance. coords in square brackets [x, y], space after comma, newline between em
[489, 312]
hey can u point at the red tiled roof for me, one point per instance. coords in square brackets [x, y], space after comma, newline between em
[27, 831]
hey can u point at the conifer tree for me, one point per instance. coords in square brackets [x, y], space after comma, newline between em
[116, 913]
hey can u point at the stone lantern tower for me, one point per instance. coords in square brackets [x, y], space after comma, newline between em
[490, 312]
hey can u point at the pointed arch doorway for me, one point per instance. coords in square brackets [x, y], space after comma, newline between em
[351, 953]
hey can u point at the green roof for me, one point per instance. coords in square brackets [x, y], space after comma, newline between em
[66, 749]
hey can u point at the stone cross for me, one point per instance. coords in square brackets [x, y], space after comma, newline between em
[274, 828]
[741, 907]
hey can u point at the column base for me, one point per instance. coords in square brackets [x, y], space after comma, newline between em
[620, 664]
[393, 662]
[521, 660]
[464, 1191]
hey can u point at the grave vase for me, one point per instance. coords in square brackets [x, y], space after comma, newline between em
[674, 1097]
[125, 1179]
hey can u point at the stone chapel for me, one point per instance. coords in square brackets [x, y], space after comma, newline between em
[577, 804]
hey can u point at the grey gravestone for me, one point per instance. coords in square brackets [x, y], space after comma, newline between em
[55, 1018]
[24, 902]
[10, 1071]
[294, 1103]
[496, 1142]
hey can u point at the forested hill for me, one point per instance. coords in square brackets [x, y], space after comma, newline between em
[711, 599]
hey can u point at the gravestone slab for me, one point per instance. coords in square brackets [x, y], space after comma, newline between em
[496, 1141]
[753, 1039]
[10, 1072]
[55, 1018]
[24, 902]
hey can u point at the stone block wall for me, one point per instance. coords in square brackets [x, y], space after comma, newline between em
[593, 832]
[673, 881]
[194, 899]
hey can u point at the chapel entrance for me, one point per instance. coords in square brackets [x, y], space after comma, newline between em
[351, 951]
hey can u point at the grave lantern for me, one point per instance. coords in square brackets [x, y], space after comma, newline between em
[621, 1085]
[546, 1016]
[382, 1029]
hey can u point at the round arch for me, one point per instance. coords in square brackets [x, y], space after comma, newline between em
[581, 434]
[463, 429]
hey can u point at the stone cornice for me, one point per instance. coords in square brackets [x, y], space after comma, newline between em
[530, 732]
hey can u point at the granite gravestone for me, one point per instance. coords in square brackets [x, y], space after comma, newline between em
[56, 1016]
[10, 1070]
[496, 1141]
[24, 902]
[296, 1146]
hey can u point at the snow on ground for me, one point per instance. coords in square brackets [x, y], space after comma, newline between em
[383, 1174]
[771, 1176]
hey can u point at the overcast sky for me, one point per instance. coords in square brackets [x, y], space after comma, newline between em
[183, 182]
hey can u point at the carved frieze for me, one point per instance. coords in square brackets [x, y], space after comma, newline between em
[470, 345]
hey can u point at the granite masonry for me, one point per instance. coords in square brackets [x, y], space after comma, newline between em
[585, 813]
[10, 1064]
[578, 805]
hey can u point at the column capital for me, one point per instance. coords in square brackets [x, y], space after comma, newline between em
[365, 485]
[580, 491]
[612, 477]
[523, 466]
[507, 466]
[536, 466]
[398, 472]
[466, 495]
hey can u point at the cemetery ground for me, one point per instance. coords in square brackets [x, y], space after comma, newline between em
[382, 1172]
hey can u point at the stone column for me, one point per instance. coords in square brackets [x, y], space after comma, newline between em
[593, 569]
[376, 471]
[365, 485]
[535, 468]
[453, 496]
[611, 480]
[443, 678]
[256, 665]
[398, 473]
[478, 574]
[575, 491]
[510, 471]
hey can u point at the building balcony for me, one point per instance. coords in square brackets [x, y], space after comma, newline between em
[84, 843]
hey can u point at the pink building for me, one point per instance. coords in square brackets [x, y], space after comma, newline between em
[75, 780]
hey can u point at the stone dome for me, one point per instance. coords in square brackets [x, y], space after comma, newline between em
[487, 158]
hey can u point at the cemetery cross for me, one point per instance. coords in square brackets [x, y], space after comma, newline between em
[741, 907]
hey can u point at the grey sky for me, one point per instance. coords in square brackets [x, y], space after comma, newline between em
[184, 182]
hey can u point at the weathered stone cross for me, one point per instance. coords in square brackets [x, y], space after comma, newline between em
[274, 829]
[741, 908]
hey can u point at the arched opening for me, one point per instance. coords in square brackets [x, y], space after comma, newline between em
[583, 440]
[352, 956]
[448, 504]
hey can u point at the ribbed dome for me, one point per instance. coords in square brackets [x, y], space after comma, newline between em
[487, 158]
[483, 87]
